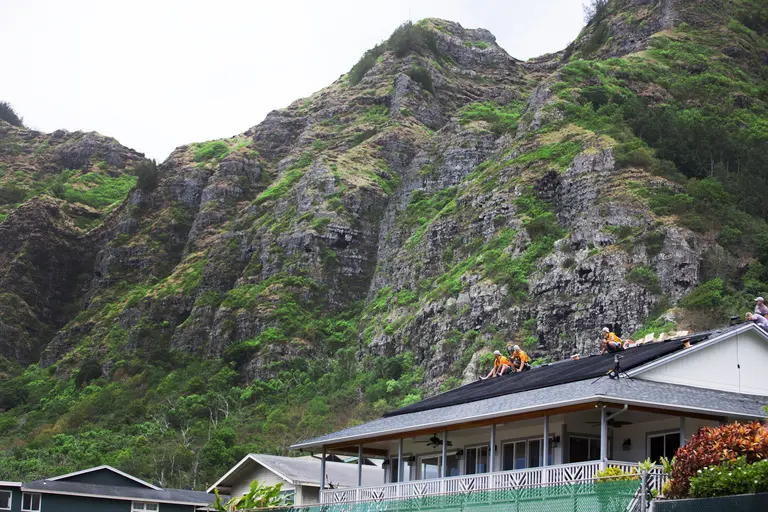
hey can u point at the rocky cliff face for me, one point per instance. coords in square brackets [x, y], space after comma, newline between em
[451, 201]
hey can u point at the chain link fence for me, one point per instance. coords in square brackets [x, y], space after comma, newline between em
[739, 503]
[610, 495]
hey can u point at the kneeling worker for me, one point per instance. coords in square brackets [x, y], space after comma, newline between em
[610, 343]
[520, 360]
[501, 365]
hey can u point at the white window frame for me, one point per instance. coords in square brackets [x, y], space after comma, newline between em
[136, 504]
[591, 439]
[288, 493]
[39, 501]
[663, 434]
[527, 441]
[466, 458]
[10, 499]
[439, 456]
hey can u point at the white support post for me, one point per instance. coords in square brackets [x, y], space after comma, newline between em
[444, 468]
[360, 466]
[682, 430]
[322, 475]
[603, 438]
[400, 462]
[545, 462]
[492, 450]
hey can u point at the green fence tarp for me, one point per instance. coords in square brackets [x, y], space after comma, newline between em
[611, 496]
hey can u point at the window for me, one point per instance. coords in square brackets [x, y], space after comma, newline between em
[5, 500]
[288, 497]
[394, 468]
[663, 445]
[583, 449]
[141, 506]
[476, 460]
[527, 453]
[30, 502]
[430, 466]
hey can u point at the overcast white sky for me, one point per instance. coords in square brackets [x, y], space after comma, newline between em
[156, 74]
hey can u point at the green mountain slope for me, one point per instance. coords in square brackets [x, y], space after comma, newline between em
[372, 243]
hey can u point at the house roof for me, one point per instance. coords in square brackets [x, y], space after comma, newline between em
[116, 492]
[106, 468]
[303, 471]
[488, 402]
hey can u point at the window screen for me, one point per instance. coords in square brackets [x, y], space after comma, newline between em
[5, 500]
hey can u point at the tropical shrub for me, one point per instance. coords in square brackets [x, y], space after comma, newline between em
[420, 75]
[711, 446]
[732, 477]
[9, 115]
[260, 496]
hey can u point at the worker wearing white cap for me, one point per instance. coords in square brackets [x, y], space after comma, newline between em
[520, 360]
[610, 342]
[501, 365]
[760, 307]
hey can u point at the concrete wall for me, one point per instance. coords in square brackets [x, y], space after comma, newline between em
[736, 364]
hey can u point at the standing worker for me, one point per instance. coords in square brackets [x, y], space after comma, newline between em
[501, 365]
[520, 360]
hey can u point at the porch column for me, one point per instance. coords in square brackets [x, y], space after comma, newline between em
[322, 474]
[682, 430]
[603, 438]
[492, 450]
[545, 463]
[400, 461]
[546, 441]
[444, 468]
[360, 466]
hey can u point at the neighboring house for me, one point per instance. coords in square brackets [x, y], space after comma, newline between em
[561, 422]
[300, 476]
[99, 489]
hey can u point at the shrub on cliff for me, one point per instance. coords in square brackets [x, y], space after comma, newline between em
[9, 115]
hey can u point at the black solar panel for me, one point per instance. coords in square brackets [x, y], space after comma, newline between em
[551, 375]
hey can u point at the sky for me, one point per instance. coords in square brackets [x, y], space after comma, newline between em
[157, 74]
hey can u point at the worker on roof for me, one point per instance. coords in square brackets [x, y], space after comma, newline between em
[610, 343]
[758, 319]
[760, 307]
[520, 360]
[501, 365]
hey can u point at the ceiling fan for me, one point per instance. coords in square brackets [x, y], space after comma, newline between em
[434, 441]
[611, 423]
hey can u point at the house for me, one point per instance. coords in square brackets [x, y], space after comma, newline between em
[300, 476]
[102, 488]
[560, 423]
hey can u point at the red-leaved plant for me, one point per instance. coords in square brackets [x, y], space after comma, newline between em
[711, 446]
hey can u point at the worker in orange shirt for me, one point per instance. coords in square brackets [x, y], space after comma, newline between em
[520, 360]
[501, 365]
[610, 343]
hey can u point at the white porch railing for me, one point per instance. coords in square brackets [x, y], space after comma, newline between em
[560, 474]
[520, 478]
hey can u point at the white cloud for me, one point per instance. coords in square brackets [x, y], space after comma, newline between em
[157, 74]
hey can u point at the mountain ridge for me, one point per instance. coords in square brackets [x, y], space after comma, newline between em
[372, 243]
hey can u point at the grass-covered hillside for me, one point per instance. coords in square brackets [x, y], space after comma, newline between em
[373, 243]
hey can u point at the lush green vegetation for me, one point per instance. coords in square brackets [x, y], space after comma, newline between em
[9, 115]
[421, 76]
[212, 150]
[501, 119]
[98, 190]
[405, 39]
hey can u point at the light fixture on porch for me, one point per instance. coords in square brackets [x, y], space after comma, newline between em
[555, 441]
[385, 464]
[459, 454]
[410, 459]
[626, 445]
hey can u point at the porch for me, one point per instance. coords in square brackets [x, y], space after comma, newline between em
[509, 455]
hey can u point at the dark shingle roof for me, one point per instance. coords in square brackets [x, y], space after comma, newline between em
[197, 498]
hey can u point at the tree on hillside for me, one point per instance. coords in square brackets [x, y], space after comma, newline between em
[595, 10]
[9, 115]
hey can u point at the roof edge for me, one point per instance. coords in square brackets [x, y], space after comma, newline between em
[120, 498]
[446, 423]
[109, 468]
[10, 484]
[695, 348]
